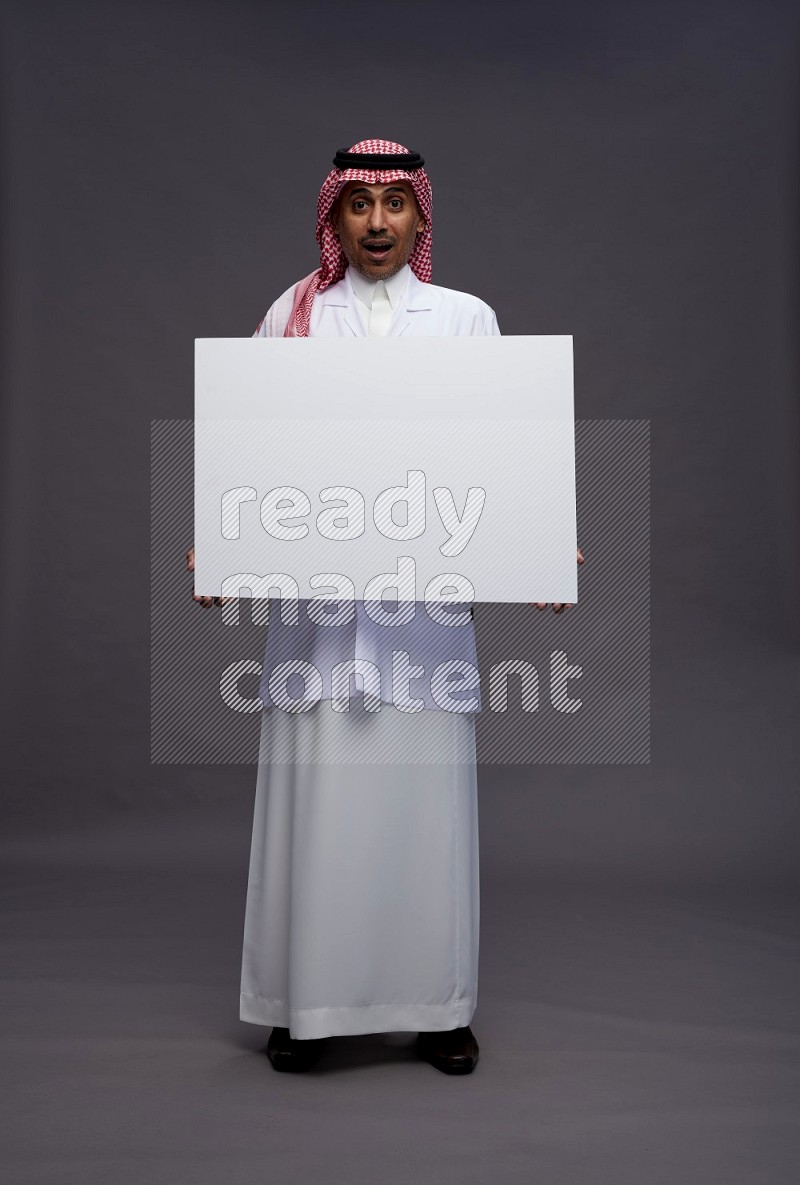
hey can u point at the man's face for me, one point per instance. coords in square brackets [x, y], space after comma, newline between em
[377, 226]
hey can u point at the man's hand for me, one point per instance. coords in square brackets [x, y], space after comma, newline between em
[558, 607]
[206, 602]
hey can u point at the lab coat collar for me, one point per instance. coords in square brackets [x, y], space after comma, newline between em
[417, 299]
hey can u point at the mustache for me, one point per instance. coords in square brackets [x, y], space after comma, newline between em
[377, 240]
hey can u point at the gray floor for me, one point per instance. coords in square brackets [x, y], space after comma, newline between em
[630, 1033]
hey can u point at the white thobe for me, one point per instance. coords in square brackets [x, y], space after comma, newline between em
[362, 902]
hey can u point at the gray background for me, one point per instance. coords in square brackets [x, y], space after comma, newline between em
[626, 173]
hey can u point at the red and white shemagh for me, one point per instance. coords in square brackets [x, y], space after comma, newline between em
[332, 259]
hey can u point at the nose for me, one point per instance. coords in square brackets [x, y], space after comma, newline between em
[377, 218]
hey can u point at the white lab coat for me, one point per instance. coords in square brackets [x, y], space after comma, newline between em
[424, 310]
[362, 901]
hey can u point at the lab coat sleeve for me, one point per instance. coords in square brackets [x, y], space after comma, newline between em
[490, 326]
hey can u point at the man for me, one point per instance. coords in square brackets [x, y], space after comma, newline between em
[362, 904]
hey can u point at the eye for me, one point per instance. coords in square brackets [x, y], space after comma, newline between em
[396, 203]
[359, 204]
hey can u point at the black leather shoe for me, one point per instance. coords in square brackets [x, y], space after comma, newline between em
[288, 1054]
[454, 1051]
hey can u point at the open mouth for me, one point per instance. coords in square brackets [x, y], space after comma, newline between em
[378, 250]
